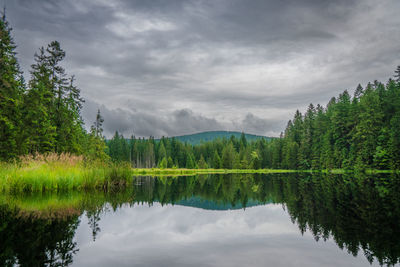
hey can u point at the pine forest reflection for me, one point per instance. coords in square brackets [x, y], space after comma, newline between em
[360, 213]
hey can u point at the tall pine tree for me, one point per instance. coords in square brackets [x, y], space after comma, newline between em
[11, 92]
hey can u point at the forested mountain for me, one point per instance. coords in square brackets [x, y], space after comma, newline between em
[197, 138]
[197, 202]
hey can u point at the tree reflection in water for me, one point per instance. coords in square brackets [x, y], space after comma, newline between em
[358, 212]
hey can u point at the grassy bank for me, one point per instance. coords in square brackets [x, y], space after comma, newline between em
[68, 172]
[178, 172]
[60, 172]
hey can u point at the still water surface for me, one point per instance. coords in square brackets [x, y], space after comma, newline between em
[214, 220]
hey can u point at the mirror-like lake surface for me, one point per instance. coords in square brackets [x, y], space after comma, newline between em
[210, 220]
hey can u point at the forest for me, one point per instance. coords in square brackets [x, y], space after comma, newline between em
[42, 116]
[356, 132]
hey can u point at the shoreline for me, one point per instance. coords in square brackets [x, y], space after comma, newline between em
[66, 172]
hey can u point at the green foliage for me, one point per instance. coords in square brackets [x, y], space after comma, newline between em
[202, 163]
[60, 172]
[163, 163]
[52, 106]
[95, 148]
[11, 94]
[255, 160]
[40, 129]
[190, 163]
[358, 133]
[170, 163]
[227, 156]
[44, 115]
[216, 161]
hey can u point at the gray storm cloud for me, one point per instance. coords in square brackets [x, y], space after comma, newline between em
[178, 122]
[176, 67]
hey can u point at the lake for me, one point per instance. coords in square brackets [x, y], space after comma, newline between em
[209, 220]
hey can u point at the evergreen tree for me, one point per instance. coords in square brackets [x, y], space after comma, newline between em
[170, 163]
[190, 163]
[58, 83]
[228, 154]
[255, 160]
[341, 127]
[305, 146]
[368, 128]
[216, 160]
[70, 133]
[243, 141]
[397, 74]
[202, 163]
[163, 163]
[394, 149]
[95, 147]
[11, 93]
[358, 92]
[148, 154]
[40, 130]
[162, 153]
[52, 106]
[97, 127]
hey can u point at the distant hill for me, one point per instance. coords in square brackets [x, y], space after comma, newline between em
[197, 138]
[197, 202]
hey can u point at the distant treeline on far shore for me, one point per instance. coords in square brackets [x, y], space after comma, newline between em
[356, 132]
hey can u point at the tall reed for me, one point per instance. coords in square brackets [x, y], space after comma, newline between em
[60, 172]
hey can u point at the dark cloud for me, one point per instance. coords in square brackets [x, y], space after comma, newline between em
[254, 124]
[177, 66]
[178, 122]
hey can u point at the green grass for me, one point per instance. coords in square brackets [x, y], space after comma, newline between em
[67, 172]
[61, 173]
[178, 172]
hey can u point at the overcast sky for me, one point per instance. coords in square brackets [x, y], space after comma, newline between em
[169, 67]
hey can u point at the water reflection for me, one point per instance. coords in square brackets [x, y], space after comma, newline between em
[31, 241]
[360, 213]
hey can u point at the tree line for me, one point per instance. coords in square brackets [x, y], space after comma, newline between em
[232, 153]
[356, 132]
[43, 114]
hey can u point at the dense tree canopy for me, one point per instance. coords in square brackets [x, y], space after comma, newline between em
[44, 114]
[11, 94]
[360, 132]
